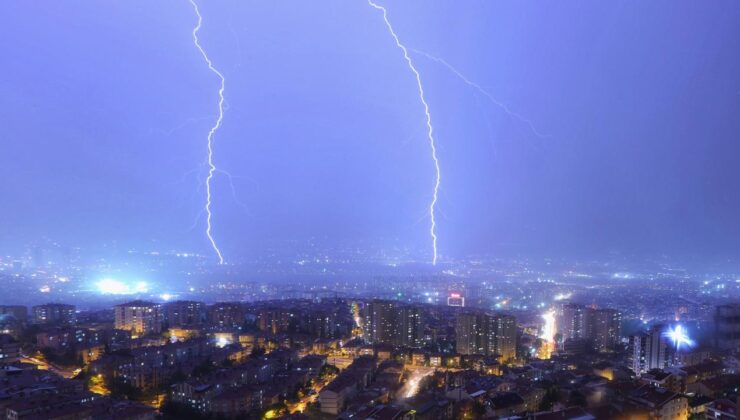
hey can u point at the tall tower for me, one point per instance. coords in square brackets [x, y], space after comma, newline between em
[468, 332]
[572, 321]
[480, 333]
[381, 321]
[649, 350]
[502, 340]
[409, 326]
[605, 329]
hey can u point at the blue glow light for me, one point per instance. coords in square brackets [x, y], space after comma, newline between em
[115, 287]
[679, 336]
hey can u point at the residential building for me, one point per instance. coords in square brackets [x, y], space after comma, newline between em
[727, 326]
[184, 313]
[139, 317]
[649, 350]
[54, 313]
[480, 333]
[10, 349]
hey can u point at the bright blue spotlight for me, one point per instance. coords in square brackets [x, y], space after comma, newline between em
[679, 336]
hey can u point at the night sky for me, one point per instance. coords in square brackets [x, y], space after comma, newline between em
[105, 108]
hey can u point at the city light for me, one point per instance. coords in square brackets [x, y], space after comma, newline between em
[548, 331]
[679, 336]
[110, 286]
[548, 335]
[411, 387]
[223, 340]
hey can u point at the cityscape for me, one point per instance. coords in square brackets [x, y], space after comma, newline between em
[370, 210]
[483, 338]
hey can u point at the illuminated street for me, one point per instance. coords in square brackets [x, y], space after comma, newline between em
[64, 373]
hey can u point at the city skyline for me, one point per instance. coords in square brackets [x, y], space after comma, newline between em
[370, 210]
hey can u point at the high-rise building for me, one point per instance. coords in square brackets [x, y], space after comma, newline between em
[469, 333]
[322, 324]
[480, 333]
[409, 327]
[596, 328]
[727, 326]
[659, 349]
[572, 321]
[139, 317]
[227, 314]
[393, 323]
[503, 340]
[638, 352]
[184, 313]
[380, 321]
[605, 329]
[649, 350]
[274, 320]
[54, 313]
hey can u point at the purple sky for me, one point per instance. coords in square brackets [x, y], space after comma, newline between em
[105, 107]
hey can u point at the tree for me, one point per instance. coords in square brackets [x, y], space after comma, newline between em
[552, 395]
[328, 370]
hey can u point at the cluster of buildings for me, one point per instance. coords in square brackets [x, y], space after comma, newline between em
[144, 351]
[15, 316]
[29, 392]
[359, 359]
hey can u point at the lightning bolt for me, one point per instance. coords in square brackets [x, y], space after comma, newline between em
[480, 89]
[430, 129]
[211, 166]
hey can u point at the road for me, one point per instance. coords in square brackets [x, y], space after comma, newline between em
[42, 364]
[301, 405]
